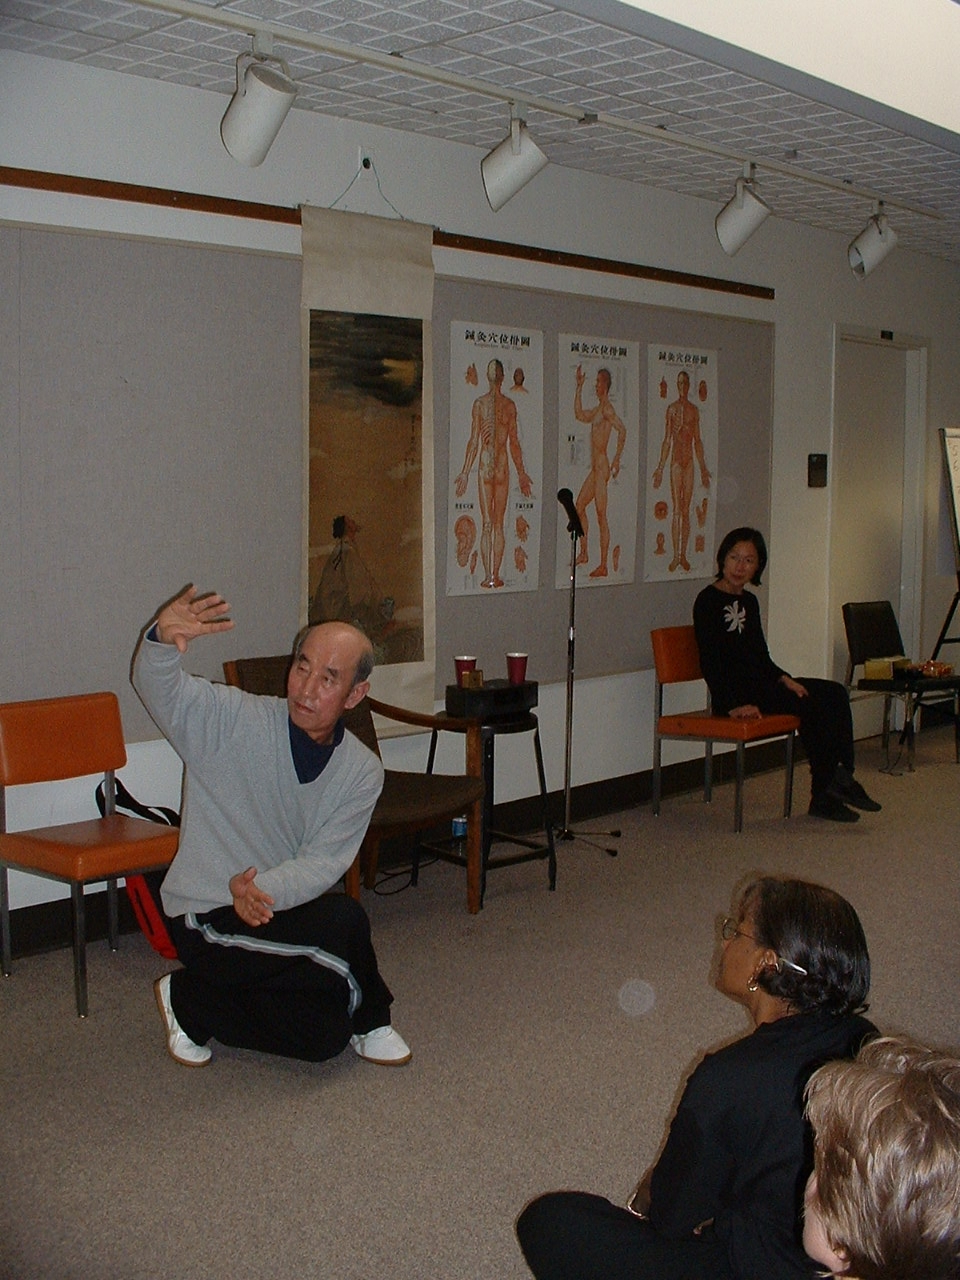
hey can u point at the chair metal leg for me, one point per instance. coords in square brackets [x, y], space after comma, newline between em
[476, 856]
[5, 923]
[885, 734]
[708, 772]
[788, 780]
[956, 725]
[79, 948]
[738, 795]
[909, 711]
[113, 916]
[657, 745]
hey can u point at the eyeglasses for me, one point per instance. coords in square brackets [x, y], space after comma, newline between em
[730, 929]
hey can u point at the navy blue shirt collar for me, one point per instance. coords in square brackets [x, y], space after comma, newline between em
[311, 758]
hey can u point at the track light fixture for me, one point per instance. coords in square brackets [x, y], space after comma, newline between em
[512, 163]
[259, 107]
[872, 245]
[740, 217]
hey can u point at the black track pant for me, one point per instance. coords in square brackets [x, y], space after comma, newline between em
[299, 986]
[826, 725]
[569, 1235]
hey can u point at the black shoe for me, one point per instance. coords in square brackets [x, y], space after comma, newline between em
[845, 788]
[828, 806]
[854, 794]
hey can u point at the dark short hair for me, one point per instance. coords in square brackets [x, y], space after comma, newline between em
[819, 932]
[743, 534]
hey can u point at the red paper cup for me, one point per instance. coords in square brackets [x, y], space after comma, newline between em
[516, 667]
[463, 664]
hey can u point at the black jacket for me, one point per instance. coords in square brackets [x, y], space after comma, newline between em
[739, 1150]
[734, 658]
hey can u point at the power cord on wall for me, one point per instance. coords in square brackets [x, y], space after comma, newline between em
[385, 878]
[366, 165]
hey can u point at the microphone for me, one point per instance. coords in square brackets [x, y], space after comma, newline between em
[565, 498]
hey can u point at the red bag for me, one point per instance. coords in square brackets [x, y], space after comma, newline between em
[144, 894]
[144, 890]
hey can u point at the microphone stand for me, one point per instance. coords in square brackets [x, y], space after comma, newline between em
[566, 832]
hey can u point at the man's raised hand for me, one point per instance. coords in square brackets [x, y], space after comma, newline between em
[191, 614]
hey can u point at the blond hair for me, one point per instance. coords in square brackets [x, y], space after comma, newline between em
[887, 1160]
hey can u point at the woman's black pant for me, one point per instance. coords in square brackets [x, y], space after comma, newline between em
[570, 1235]
[826, 725]
[300, 985]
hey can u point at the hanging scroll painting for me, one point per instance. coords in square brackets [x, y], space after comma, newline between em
[366, 302]
[365, 534]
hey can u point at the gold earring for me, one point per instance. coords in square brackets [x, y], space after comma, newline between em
[753, 984]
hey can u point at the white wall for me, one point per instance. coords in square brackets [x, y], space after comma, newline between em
[865, 46]
[95, 124]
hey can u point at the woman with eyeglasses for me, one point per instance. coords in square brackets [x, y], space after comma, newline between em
[723, 1200]
[745, 682]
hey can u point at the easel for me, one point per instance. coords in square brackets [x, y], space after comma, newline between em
[943, 638]
[950, 445]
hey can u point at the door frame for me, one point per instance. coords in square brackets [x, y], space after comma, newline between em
[909, 605]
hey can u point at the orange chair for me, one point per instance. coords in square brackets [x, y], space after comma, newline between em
[677, 661]
[49, 740]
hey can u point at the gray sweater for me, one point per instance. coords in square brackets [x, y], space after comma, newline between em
[243, 803]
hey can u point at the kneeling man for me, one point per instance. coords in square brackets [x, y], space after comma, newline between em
[277, 798]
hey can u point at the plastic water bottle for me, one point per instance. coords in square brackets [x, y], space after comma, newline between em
[458, 835]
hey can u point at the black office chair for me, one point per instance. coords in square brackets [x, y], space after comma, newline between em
[873, 632]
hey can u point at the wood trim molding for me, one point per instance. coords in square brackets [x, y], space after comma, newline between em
[160, 196]
[197, 203]
[582, 262]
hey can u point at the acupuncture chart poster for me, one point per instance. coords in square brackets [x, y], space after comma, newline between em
[682, 448]
[495, 485]
[597, 458]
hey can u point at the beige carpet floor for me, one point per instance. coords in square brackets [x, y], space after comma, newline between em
[550, 1034]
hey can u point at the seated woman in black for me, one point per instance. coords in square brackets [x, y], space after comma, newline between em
[723, 1200]
[745, 682]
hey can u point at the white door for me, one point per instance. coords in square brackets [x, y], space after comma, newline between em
[877, 444]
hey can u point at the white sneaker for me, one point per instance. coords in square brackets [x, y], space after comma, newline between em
[383, 1045]
[179, 1045]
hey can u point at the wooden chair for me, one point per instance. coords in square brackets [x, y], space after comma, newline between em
[49, 740]
[409, 803]
[873, 632]
[677, 660]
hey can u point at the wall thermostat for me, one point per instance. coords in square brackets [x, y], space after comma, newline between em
[816, 470]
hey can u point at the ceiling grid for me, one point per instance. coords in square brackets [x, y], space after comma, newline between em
[546, 52]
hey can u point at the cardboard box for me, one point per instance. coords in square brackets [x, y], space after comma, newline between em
[884, 668]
